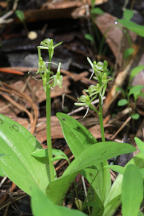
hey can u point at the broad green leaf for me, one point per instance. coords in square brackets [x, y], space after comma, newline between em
[98, 153]
[142, 172]
[79, 138]
[95, 154]
[128, 14]
[76, 135]
[57, 154]
[140, 144]
[42, 206]
[135, 71]
[2, 172]
[138, 160]
[114, 197]
[99, 178]
[138, 29]
[57, 189]
[122, 102]
[17, 145]
[132, 191]
[135, 116]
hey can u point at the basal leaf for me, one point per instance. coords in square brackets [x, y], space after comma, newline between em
[95, 154]
[140, 144]
[132, 191]
[98, 153]
[114, 197]
[79, 138]
[17, 145]
[42, 206]
[76, 135]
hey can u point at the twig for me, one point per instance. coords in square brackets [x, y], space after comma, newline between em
[3, 19]
[123, 125]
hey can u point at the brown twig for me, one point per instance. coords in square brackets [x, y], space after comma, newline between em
[123, 125]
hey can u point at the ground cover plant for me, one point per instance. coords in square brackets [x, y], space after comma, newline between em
[34, 171]
[131, 94]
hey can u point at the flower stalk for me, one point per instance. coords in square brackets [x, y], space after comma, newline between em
[49, 81]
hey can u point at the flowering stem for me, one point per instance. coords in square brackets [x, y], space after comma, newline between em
[100, 114]
[48, 124]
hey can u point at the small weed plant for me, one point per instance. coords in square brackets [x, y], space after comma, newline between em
[92, 29]
[132, 93]
[31, 168]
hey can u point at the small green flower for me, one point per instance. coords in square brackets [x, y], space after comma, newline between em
[57, 78]
[44, 67]
[94, 90]
[83, 100]
[100, 74]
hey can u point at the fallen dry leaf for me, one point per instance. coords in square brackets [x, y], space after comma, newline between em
[113, 34]
[35, 90]
[62, 4]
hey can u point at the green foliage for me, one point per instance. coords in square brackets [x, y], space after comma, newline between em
[125, 21]
[98, 153]
[135, 116]
[122, 102]
[20, 15]
[94, 154]
[41, 205]
[135, 71]
[140, 145]
[76, 135]
[57, 154]
[131, 93]
[135, 91]
[16, 146]
[131, 181]
[132, 191]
